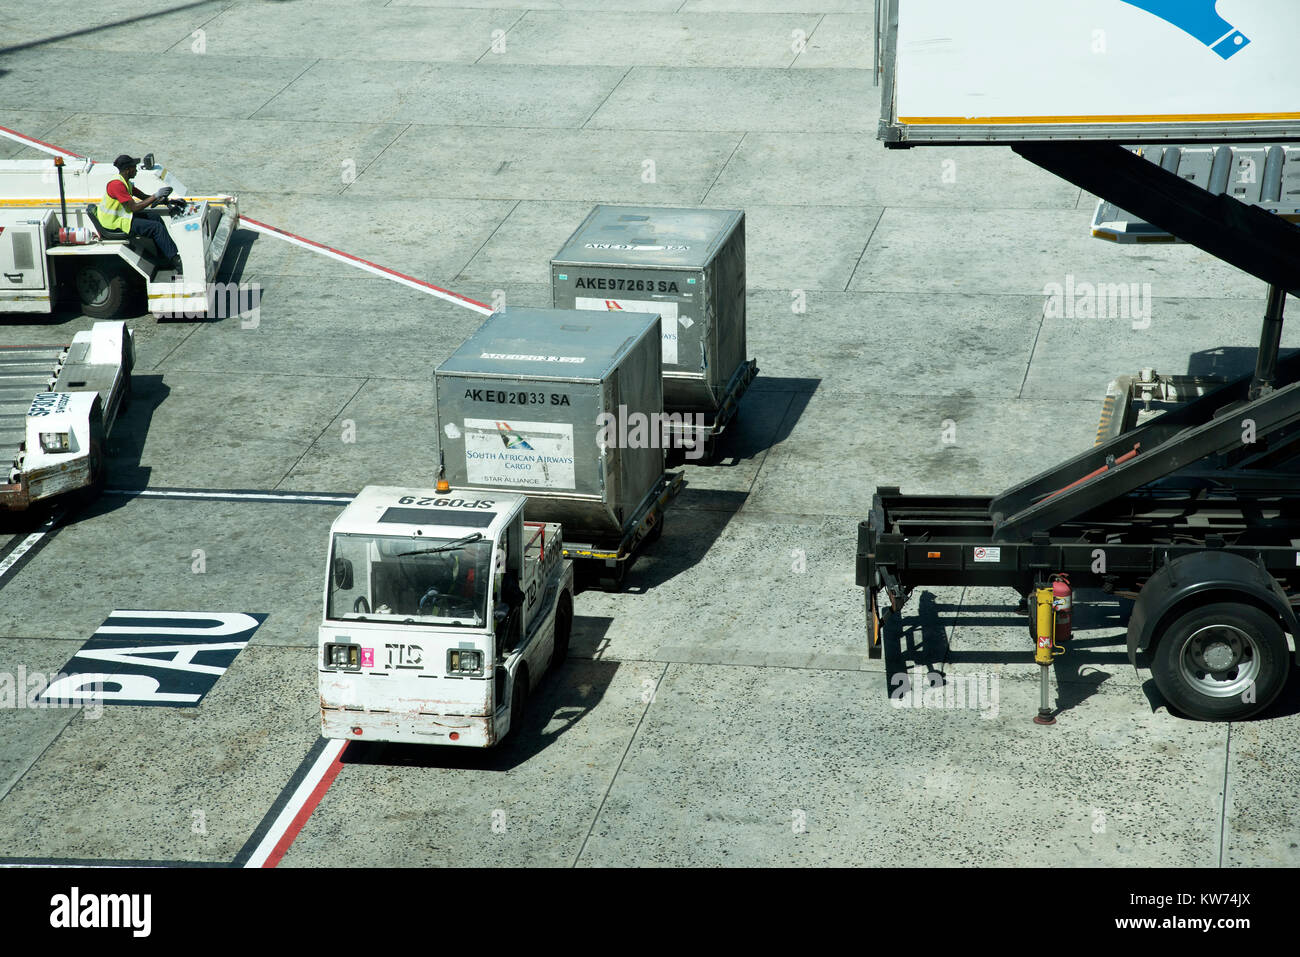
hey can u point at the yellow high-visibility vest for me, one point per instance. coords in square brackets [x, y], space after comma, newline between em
[112, 214]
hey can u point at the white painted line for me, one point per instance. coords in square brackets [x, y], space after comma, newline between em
[365, 264]
[299, 807]
[27, 544]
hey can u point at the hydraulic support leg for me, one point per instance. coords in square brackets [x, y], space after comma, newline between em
[1270, 341]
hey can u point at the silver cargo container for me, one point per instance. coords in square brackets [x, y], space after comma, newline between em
[688, 265]
[517, 411]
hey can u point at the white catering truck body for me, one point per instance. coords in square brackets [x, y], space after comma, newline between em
[422, 640]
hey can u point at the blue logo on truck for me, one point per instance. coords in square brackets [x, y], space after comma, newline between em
[1200, 19]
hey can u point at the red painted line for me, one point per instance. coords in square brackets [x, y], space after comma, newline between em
[366, 262]
[305, 812]
[32, 139]
[444, 293]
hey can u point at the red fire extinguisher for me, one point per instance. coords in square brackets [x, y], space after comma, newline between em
[1062, 602]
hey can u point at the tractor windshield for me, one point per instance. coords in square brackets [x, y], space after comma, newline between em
[425, 581]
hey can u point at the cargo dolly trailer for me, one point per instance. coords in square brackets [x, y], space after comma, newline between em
[1194, 514]
[564, 406]
[687, 265]
[611, 557]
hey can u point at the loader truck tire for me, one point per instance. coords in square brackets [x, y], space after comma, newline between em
[102, 287]
[518, 702]
[1221, 662]
[612, 579]
[563, 628]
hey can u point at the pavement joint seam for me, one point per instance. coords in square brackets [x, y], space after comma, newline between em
[806, 40]
[951, 630]
[225, 7]
[614, 777]
[762, 461]
[606, 99]
[312, 444]
[709, 662]
[474, 255]
[1042, 320]
[870, 236]
[157, 366]
[48, 134]
[346, 186]
[27, 770]
[522, 13]
[282, 89]
[723, 168]
[227, 373]
[1223, 813]
[42, 638]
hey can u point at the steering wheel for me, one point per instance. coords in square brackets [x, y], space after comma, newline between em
[361, 605]
[431, 596]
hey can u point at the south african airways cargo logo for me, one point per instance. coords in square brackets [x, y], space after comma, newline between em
[1199, 19]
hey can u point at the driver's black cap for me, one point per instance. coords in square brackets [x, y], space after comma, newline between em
[123, 161]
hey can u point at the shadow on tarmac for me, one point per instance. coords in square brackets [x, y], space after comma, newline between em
[1285, 705]
[921, 639]
[126, 444]
[1231, 362]
[699, 515]
[85, 31]
[564, 697]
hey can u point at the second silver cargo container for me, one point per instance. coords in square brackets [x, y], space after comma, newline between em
[688, 265]
[520, 406]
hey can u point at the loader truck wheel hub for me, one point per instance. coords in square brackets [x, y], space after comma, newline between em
[1219, 656]
[91, 287]
[1220, 661]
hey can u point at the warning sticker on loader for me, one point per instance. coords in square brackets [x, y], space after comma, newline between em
[985, 554]
[667, 317]
[519, 454]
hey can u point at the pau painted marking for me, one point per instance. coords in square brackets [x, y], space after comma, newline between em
[169, 658]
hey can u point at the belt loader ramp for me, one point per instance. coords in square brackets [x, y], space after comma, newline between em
[1195, 514]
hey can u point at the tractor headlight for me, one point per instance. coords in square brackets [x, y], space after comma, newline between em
[341, 656]
[464, 661]
[56, 441]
